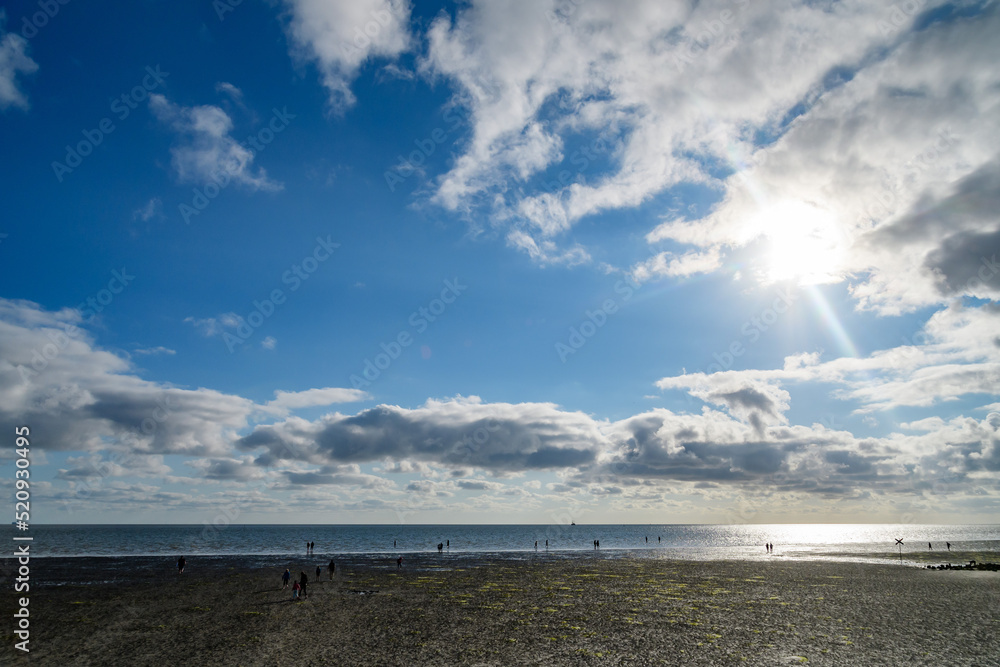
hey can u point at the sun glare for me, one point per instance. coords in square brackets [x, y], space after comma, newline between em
[804, 243]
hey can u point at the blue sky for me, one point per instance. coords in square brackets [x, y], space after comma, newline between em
[502, 262]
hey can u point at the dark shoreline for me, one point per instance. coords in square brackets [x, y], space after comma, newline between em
[536, 611]
[54, 571]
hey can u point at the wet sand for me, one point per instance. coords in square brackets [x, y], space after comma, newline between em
[499, 611]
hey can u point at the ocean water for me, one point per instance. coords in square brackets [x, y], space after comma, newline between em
[703, 542]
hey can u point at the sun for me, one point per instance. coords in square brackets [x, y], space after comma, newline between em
[804, 244]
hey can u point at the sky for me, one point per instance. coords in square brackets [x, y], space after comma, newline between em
[379, 261]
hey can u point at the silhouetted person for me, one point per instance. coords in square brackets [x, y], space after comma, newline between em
[647, 539]
[394, 544]
[657, 539]
[303, 580]
[447, 543]
[948, 544]
[319, 571]
[332, 569]
[285, 578]
[929, 547]
[181, 562]
[399, 562]
[440, 546]
[536, 545]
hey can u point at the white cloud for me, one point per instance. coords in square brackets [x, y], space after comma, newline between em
[86, 400]
[205, 151]
[159, 349]
[229, 89]
[342, 35]
[286, 401]
[899, 166]
[14, 60]
[955, 355]
[269, 343]
[669, 97]
[674, 266]
[146, 213]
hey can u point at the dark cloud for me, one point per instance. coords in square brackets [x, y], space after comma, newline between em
[499, 438]
[966, 263]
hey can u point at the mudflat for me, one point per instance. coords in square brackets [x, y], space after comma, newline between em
[505, 611]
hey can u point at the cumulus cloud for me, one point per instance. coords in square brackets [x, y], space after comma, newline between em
[890, 177]
[953, 356]
[85, 400]
[682, 88]
[14, 60]
[286, 401]
[855, 144]
[342, 35]
[499, 437]
[205, 150]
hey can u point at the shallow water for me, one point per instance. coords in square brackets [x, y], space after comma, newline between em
[699, 542]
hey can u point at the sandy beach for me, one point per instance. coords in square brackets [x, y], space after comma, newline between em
[490, 611]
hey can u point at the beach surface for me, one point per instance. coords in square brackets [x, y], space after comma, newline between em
[439, 610]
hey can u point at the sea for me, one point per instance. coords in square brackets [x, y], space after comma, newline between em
[852, 542]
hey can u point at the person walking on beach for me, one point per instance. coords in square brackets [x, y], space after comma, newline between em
[181, 562]
[929, 547]
[399, 563]
[948, 544]
[303, 580]
[285, 578]
[331, 568]
[295, 590]
[319, 571]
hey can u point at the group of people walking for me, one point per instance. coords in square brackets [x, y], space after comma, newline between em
[300, 587]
